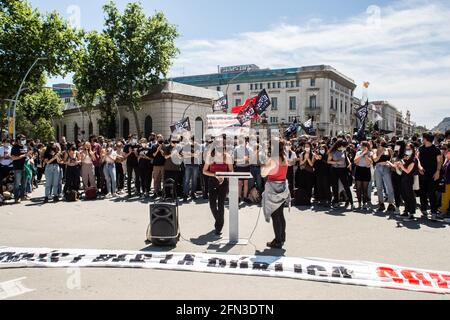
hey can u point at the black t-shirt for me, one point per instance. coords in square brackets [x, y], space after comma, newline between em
[146, 152]
[159, 159]
[48, 156]
[16, 151]
[132, 160]
[428, 159]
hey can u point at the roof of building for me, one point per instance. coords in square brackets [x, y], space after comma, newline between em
[255, 75]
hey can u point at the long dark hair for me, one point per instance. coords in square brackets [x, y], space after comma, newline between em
[338, 144]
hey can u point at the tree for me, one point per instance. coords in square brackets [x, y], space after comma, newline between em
[145, 47]
[96, 79]
[36, 111]
[25, 35]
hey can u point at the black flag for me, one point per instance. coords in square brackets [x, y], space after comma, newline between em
[262, 102]
[184, 124]
[293, 128]
[221, 104]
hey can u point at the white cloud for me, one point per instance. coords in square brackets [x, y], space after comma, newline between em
[402, 49]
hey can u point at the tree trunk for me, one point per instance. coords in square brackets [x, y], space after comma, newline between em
[136, 121]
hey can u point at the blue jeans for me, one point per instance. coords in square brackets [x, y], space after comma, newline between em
[383, 177]
[52, 180]
[20, 181]
[109, 170]
[191, 172]
[256, 173]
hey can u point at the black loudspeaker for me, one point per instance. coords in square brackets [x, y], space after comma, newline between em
[164, 230]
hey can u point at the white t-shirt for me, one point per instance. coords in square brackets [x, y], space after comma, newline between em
[292, 158]
[5, 151]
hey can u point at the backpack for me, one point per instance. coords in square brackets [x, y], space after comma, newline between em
[90, 193]
[71, 196]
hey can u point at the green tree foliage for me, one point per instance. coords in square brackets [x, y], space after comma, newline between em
[35, 113]
[25, 35]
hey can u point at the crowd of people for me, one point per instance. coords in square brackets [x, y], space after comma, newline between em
[324, 171]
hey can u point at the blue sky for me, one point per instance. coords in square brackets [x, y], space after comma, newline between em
[401, 47]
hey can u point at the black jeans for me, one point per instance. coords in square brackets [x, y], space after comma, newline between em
[137, 181]
[408, 195]
[120, 176]
[204, 182]
[307, 183]
[279, 225]
[146, 171]
[100, 179]
[217, 195]
[397, 185]
[72, 178]
[322, 188]
[343, 175]
[428, 188]
[290, 179]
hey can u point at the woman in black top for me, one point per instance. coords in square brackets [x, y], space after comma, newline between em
[408, 167]
[306, 166]
[322, 175]
[52, 159]
[72, 161]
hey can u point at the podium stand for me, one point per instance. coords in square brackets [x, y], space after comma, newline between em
[233, 178]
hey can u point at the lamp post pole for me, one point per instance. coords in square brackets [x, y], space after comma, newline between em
[16, 98]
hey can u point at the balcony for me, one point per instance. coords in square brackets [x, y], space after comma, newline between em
[313, 111]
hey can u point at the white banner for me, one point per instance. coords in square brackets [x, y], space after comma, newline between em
[314, 269]
[228, 124]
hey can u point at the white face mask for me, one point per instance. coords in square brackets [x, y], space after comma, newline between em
[397, 148]
[409, 153]
[308, 149]
[23, 142]
[322, 152]
[133, 141]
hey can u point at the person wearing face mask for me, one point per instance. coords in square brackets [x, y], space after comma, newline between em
[109, 157]
[363, 175]
[145, 167]
[120, 176]
[340, 166]
[382, 159]
[408, 166]
[172, 165]
[52, 161]
[322, 175]
[5, 162]
[19, 154]
[159, 160]
[306, 166]
[292, 159]
[131, 155]
[396, 174]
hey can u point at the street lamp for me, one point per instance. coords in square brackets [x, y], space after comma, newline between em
[16, 97]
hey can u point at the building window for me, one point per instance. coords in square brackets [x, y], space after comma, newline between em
[292, 84]
[274, 120]
[279, 85]
[292, 119]
[251, 86]
[268, 85]
[148, 126]
[261, 86]
[91, 128]
[65, 131]
[274, 85]
[218, 89]
[238, 102]
[297, 83]
[331, 103]
[199, 127]
[336, 104]
[292, 103]
[341, 106]
[238, 87]
[346, 108]
[313, 82]
[312, 102]
[57, 133]
[287, 84]
[274, 104]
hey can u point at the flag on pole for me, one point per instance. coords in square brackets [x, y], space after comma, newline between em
[183, 125]
[253, 107]
[221, 104]
[293, 129]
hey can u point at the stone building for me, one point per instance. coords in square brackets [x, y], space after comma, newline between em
[163, 107]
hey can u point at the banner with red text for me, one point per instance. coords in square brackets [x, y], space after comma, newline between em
[333, 271]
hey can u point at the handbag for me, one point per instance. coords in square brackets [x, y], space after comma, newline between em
[416, 185]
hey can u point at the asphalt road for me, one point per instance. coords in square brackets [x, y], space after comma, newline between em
[121, 224]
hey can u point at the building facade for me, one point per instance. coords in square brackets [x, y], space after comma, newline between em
[320, 93]
[159, 110]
